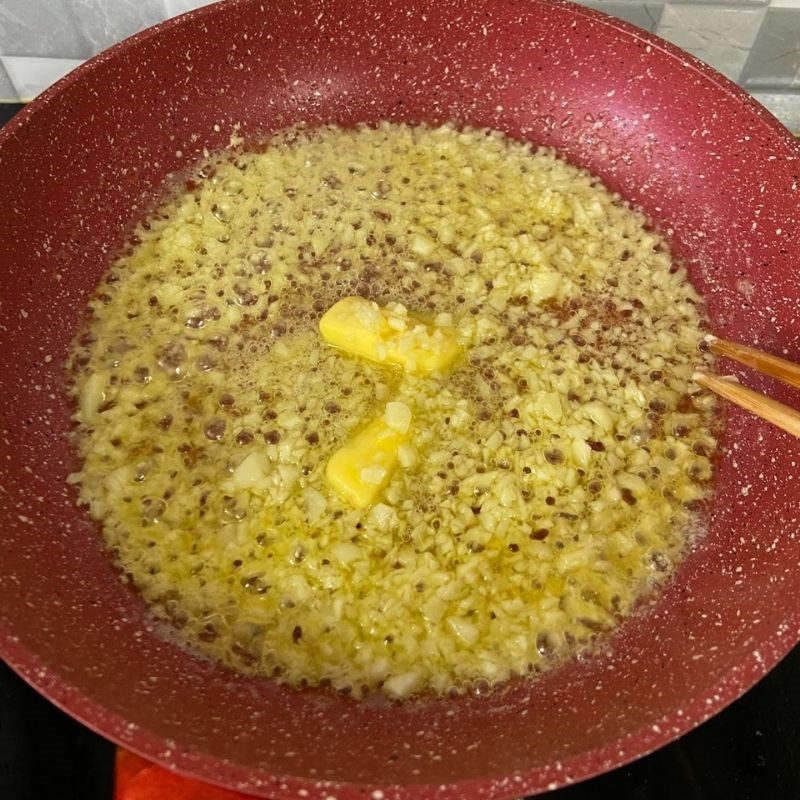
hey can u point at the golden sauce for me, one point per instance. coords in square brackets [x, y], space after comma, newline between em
[552, 474]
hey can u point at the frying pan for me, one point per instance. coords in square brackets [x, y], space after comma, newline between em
[712, 169]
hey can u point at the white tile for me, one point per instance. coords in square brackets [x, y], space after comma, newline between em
[40, 28]
[8, 94]
[30, 75]
[785, 4]
[174, 7]
[774, 62]
[104, 23]
[734, 3]
[784, 105]
[643, 15]
[722, 37]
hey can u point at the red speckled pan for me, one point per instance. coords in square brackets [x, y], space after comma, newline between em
[711, 167]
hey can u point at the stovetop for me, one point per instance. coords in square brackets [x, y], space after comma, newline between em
[750, 751]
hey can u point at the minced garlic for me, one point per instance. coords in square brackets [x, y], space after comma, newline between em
[524, 498]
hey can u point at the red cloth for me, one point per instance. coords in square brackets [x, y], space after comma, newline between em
[139, 779]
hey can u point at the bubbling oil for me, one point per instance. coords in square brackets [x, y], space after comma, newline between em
[559, 469]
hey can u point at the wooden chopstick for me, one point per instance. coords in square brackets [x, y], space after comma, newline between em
[785, 417]
[780, 368]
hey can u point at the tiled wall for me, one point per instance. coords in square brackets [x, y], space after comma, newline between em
[754, 42]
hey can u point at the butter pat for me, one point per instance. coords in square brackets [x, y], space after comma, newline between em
[388, 335]
[362, 467]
